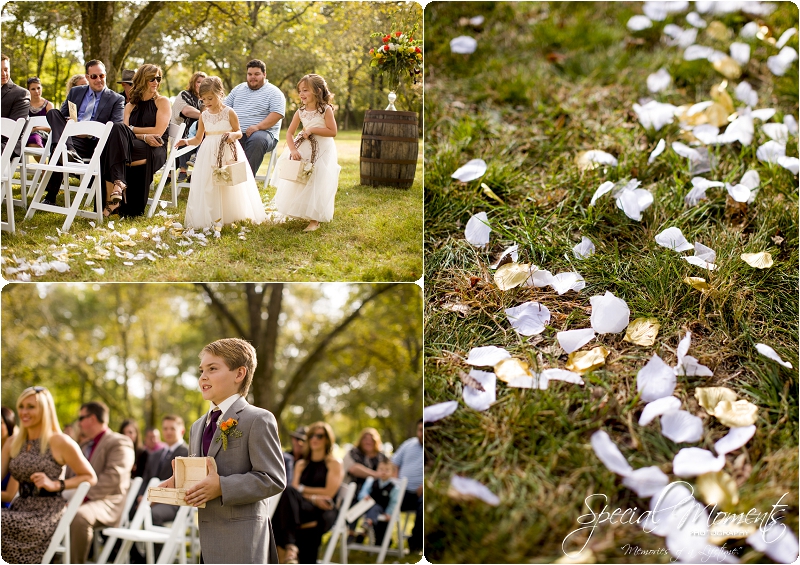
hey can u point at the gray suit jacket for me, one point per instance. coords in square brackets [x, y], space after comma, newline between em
[15, 103]
[235, 528]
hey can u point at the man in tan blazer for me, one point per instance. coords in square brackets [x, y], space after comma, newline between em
[111, 456]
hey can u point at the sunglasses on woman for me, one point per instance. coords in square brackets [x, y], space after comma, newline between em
[36, 389]
[317, 436]
[155, 78]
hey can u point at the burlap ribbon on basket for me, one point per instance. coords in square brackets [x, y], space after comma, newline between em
[300, 171]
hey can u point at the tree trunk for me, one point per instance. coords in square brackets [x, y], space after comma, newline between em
[264, 392]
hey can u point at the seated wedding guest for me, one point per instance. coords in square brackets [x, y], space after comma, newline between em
[94, 102]
[361, 462]
[76, 80]
[111, 455]
[383, 491]
[130, 428]
[36, 459]
[410, 461]
[152, 440]
[39, 107]
[136, 148]
[127, 84]
[15, 101]
[310, 498]
[7, 434]
[186, 110]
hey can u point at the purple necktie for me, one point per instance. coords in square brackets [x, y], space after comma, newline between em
[208, 433]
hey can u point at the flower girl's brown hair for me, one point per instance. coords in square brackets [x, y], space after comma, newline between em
[211, 85]
[320, 89]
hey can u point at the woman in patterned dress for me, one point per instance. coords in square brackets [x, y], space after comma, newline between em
[36, 459]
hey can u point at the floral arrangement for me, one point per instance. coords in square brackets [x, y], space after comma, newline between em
[228, 429]
[400, 55]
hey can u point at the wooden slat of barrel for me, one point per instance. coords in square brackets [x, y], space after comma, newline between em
[389, 148]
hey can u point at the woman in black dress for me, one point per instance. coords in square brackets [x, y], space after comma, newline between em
[310, 498]
[140, 142]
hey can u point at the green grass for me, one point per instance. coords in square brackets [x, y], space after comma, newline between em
[547, 81]
[375, 235]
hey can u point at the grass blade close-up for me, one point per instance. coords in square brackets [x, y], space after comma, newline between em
[547, 83]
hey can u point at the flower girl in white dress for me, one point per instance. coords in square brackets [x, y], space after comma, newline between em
[207, 203]
[311, 200]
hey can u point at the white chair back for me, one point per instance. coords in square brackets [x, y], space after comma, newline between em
[346, 494]
[170, 166]
[59, 543]
[135, 523]
[382, 546]
[12, 131]
[37, 152]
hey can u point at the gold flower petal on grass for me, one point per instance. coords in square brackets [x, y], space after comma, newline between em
[512, 275]
[582, 362]
[698, 283]
[710, 396]
[719, 94]
[509, 369]
[736, 414]
[642, 331]
[761, 260]
[490, 193]
[728, 67]
[718, 489]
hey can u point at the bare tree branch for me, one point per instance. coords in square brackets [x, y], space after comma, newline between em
[222, 310]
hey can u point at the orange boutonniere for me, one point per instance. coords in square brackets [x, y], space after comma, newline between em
[228, 429]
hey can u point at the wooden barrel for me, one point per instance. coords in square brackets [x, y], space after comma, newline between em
[389, 148]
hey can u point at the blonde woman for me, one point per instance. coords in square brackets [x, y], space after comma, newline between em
[36, 458]
[362, 461]
[76, 80]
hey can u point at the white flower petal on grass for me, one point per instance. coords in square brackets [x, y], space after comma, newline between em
[693, 461]
[691, 367]
[600, 157]
[694, 19]
[658, 408]
[791, 123]
[463, 45]
[785, 37]
[790, 163]
[672, 30]
[739, 192]
[540, 278]
[100, 271]
[681, 427]
[740, 52]
[763, 114]
[672, 238]
[741, 130]
[780, 63]
[529, 318]
[564, 282]
[572, 340]
[658, 11]
[634, 202]
[655, 114]
[646, 482]
[601, 190]
[707, 134]
[749, 31]
[668, 506]
[481, 400]
[751, 179]
[777, 132]
[436, 412]
[685, 151]
[609, 454]
[474, 169]
[476, 21]
[474, 489]
[610, 315]
[660, 146]
[659, 80]
[583, 249]
[778, 543]
[696, 52]
[698, 191]
[745, 93]
[478, 230]
[770, 353]
[523, 382]
[560, 375]
[513, 251]
[487, 356]
[736, 438]
[655, 380]
[704, 253]
[770, 152]
[639, 23]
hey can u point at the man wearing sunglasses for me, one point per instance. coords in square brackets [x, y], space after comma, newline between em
[95, 103]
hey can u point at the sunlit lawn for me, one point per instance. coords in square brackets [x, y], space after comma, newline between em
[375, 235]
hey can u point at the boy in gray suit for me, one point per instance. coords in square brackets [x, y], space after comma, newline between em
[245, 461]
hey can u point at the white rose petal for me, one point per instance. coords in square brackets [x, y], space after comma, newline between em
[529, 318]
[739, 192]
[639, 23]
[791, 123]
[704, 253]
[770, 353]
[736, 438]
[513, 251]
[474, 169]
[790, 163]
[601, 190]
[634, 202]
[583, 249]
[778, 543]
[487, 356]
[693, 461]
[655, 114]
[478, 230]
[646, 482]
[741, 130]
[609, 454]
[481, 400]
[785, 37]
[660, 146]
[600, 157]
[572, 340]
[471, 487]
[540, 278]
[749, 31]
[610, 315]
[667, 509]
[463, 45]
[436, 412]
[672, 238]
[681, 427]
[751, 179]
[655, 380]
[694, 19]
[523, 382]
[685, 151]
[740, 52]
[560, 375]
[696, 52]
[564, 282]
[777, 132]
[658, 408]
[744, 92]
[781, 62]
[763, 114]
[658, 81]
[770, 152]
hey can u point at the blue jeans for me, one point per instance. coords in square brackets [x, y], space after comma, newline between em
[256, 146]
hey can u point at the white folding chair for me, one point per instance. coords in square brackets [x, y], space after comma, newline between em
[173, 538]
[130, 498]
[273, 504]
[135, 523]
[170, 169]
[346, 495]
[59, 543]
[394, 518]
[90, 172]
[11, 130]
[40, 155]
[273, 158]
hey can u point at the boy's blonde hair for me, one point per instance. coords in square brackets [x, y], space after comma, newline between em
[235, 353]
[211, 85]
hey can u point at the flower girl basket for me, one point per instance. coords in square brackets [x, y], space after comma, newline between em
[300, 171]
[188, 472]
[233, 172]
